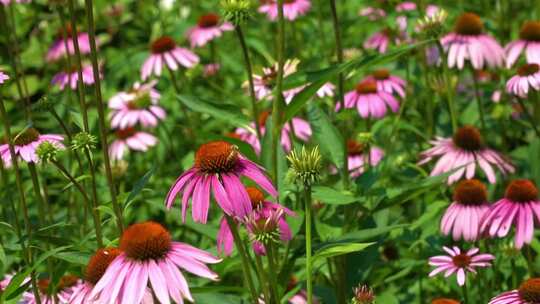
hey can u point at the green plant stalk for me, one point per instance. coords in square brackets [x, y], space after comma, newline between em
[101, 114]
[465, 294]
[243, 255]
[478, 98]
[536, 105]
[278, 100]
[270, 255]
[42, 200]
[448, 88]
[529, 117]
[263, 279]
[530, 260]
[309, 278]
[27, 251]
[249, 70]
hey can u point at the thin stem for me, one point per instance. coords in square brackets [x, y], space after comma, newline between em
[101, 114]
[278, 100]
[42, 200]
[271, 270]
[529, 117]
[448, 88]
[530, 261]
[309, 279]
[478, 99]
[465, 294]
[177, 89]
[243, 255]
[263, 279]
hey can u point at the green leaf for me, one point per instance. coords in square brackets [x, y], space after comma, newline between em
[222, 111]
[74, 257]
[326, 135]
[300, 99]
[330, 196]
[368, 234]
[78, 179]
[140, 184]
[340, 249]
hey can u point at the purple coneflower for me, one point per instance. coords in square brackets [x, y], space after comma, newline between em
[58, 48]
[379, 41]
[527, 293]
[61, 293]
[139, 105]
[3, 77]
[518, 207]
[164, 51]
[26, 143]
[150, 258]
[218, 167]
[8, 2]
[464, 151]
[208, 28]
[387, 82]
[459, 262]
[469, 42]
[63, 78]
[463, 217]
[211, 69]
[358, 157]
[130, 138]
[369, 100]
[527, 78]
[372, 13]
[529, 41]
[292, 9]
[406, 6]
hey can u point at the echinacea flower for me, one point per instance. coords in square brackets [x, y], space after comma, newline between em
[406, 6]
[527, 293]
[527, 79]
[218, 168]
[211, 69]
[61, 293]
[387, 82]
[469, 42]
[444, 301]
[379, 41]
[130, 139]
[8, 2]
[358, 157]
[372, 13]
[363, 294]
[292, 9]
[529, 41]
[464, 151]
[463, 217]
[58, 48]
[208, 28]
[369, 100]
[459, 262]
[165, 52]
[3, 77]
[151, 258]
[138, 105]
[71, 77]
[518, 207]
[26, 143]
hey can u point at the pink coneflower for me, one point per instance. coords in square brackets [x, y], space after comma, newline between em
[263, 211]
[358, 157]
[211, 69]
[58, 48]
[26, 143]
[529, 41]
[372, 13]
[463, 217]
[63, 78]
[519, 206]
[150, 257]
[61, 294]
[369, 100]
[164, 51]
[406, 6]
[3, 77]
[292, 9]
[208, 28]
[130, 139]
[527, 293]
[8, 2]
[302, 131]
[363, 294]
[379, 41]
[465, 150]
[459, 262]
[527, 78]
[387, 82]
[138, 105]
[218, 167]
[468, 42]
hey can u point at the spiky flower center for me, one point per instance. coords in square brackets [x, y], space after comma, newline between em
[381, 74]
[461, 260]
[163, 45]
[528, 69]
[26, 137]
[468, 138]
[145, 241]
[522, 191]
[99, 262]
[208, 20]
[471, 192]
[366, 87]
[125, 133]
[363, 295]
[530, 31]
[354, 147]
[529, 291]
[444, 301]
[469, 24]
[67, 281]
[256, 196]
[216, 157]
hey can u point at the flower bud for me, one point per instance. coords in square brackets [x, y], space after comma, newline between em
[47, 151]
[83, 140]
[236, 12]
[306, 165]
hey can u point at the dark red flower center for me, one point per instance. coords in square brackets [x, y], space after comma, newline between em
[530, 31]
[470, 192]
[145, 241]
[444, 301]
[390, 252]
[26, 137]
[256, 196]
[208, 20]
[468, 138]
[469, 24]
[67, 281]
[216, 157]
[521, 190]
[528, 69]
[125, 133]
[98, 264]
[163, 45]
[363, 295]
[354, 147]
[461, 260]
[366, 87]
[381, 74]
[529, 291]
[43, 285]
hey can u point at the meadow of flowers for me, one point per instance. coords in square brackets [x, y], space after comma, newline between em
[272, 151]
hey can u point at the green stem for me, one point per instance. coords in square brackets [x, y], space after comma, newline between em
[270, 255]
[309, 279]
[530, 261]
[448, 88]
[42, 200]
[278, 100]
[529, 117]
[478, 99]
[263, 279]
[465, 294]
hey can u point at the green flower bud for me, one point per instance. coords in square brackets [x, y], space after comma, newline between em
[47, 151]
[83, 140]
[306, 165]
[236, 12]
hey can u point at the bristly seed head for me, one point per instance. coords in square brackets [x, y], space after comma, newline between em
[26, 137]
[530, 31]
[444, 301]
[217, 157]
[306, 165]
[208, 20]
[99, 262]
[468, 138]
[471, 192]
[265, 229]
[521, 191]
[366, 87]
[363, 294]
[145, 241]
[236, 11]
[529, 291]
[256, 196]
[125, 133]
[461, 260]
[381, 74]
[163, 45]
[47, 151]
[469, 24]
[528, 69]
